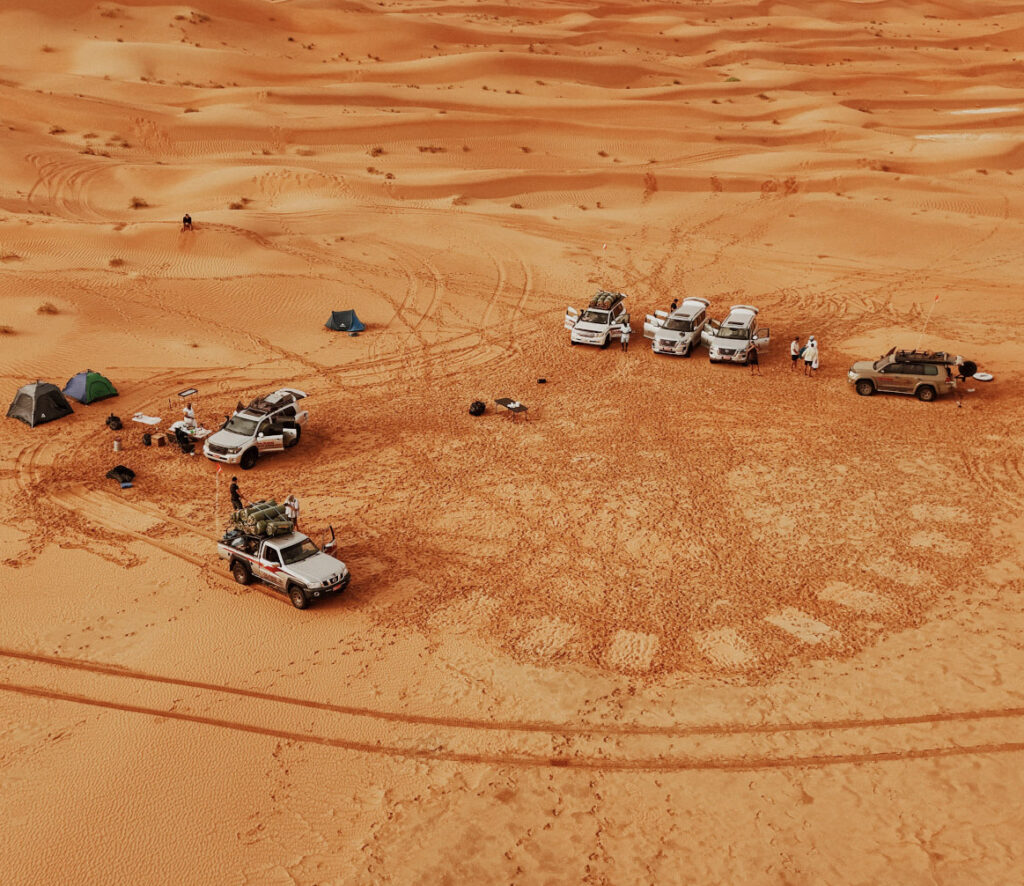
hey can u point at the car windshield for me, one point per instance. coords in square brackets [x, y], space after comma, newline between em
[298, 552]
[237, 425]
[723, 332]
[677, 325]
[595, 317]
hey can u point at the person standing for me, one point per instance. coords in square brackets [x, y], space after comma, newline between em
[626, 330]
[810, 355]
[236, 496]
[291, 510]
[752, 361]
[814, 362]
[675, 304]
[189, 412]
[794, 352]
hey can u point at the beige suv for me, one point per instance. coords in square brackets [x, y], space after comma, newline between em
[925, 374]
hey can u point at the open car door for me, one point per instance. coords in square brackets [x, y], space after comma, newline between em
[762, 337]
[571, 316]
[271, 439]
[709, 331]
[651, 325]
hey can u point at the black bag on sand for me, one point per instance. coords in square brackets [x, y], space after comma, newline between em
[477, 407]
[121, 474]
[114, 423]
[147, 439]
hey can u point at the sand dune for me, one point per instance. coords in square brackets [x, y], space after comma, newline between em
[685, 625]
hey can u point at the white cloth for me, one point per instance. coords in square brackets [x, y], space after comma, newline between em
[291, 509]
[143, 419]
[814, 363]
[811, 353]
[794, 348]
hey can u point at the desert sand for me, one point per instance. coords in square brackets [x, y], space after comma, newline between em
[684, 625]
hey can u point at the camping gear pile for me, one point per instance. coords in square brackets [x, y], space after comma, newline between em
[263, 518]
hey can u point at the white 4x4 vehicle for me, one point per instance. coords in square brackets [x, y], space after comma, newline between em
[600, 323]
[268, 424]
[677, 332]
[732, 340]
[291, 564]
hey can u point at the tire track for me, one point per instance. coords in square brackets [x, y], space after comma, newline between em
[560, 755]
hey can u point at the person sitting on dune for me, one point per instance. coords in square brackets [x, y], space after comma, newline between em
[186, 222]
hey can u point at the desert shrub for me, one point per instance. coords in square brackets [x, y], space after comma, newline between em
[138, 203]
[116, 262]
[47, 308]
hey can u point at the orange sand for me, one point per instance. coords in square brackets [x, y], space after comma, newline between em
[683, 626]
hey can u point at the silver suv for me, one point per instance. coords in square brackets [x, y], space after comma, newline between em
[677, 332]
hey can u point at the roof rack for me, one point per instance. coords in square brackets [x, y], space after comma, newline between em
[605, 300]
[940, 357]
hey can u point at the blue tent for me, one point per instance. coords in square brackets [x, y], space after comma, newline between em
[88, 387]
[345, 321]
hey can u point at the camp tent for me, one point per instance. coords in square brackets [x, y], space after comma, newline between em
[345, 321]
[38, 403]
[88, 387]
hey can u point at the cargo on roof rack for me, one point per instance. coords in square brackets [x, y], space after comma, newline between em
[605, 300]
[940, 357]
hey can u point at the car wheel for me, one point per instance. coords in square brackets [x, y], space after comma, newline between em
[297, 597]
[926, 393]
[296, 438]
[607, 341]
[572, 341]
[865, 388]
[689, 348]
[249, 459]
[241, 571]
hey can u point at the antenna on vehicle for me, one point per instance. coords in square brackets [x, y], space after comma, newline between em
[926, 320]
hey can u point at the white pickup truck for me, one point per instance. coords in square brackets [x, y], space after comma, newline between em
[268, 424]
[291, 564]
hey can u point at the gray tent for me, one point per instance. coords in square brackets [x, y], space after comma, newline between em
[345, 321]
[38, 403]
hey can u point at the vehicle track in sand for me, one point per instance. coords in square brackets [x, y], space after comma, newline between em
[520, 743]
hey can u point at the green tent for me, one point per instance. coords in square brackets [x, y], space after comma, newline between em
[88, 387]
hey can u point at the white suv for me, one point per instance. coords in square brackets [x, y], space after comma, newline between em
[677, 332]
[600, 323]
[732, 340]
[268, 424]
